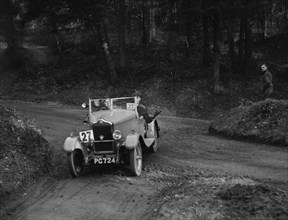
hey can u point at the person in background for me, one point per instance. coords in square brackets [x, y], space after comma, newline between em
[266, 79]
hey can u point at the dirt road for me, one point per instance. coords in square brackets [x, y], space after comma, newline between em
[186, 154]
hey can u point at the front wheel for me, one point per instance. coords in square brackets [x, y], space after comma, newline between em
[75, 163]
[136, 160]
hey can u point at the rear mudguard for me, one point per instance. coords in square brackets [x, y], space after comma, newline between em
[131, 141]
[72, 143]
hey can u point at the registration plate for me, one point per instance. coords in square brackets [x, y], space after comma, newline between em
[104, 160]
[86, 136]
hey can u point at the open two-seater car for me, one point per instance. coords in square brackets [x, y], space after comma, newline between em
[118, 130]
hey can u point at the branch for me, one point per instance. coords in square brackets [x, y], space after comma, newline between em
[144, 68]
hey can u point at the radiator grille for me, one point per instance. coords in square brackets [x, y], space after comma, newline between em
[104, 130]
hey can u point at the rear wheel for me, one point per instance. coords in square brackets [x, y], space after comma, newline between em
[136, 160]
[75, 163]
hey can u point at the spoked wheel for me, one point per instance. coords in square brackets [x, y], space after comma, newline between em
[154, 146]
[75, 163]
[136, 160]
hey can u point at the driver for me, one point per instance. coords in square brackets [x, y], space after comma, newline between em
[100, 104]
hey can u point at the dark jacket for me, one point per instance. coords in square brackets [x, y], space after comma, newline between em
[143, 111]
[266, 78]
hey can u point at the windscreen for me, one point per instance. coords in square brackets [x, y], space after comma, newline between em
[124, 103]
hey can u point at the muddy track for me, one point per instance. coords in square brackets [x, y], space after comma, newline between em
[111, 193]
[90, 197]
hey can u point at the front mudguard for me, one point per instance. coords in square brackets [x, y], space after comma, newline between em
[131, 141]
[72, 143]
[152, 129]
[157, 128]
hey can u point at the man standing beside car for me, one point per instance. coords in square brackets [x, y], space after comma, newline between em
[143, 111]
[266, 79]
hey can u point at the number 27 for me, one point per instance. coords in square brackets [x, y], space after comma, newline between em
[84, 136]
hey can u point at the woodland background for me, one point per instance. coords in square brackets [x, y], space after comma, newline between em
[189, 58]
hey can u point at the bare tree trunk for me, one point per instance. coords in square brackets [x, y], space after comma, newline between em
[241, 43]
[129, 25]
[188, 26]
[111, 65]
[153, 10]
[9, 29]
[58, 40]
[265, 24]
[248, 46]
[206, 41]
[10, 34]
[145, 32]
[216, 52]
[122, 33]
[231, 44]
[105, 44]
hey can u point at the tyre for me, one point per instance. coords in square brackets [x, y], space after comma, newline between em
[154, 147]
[75, 163]
[136, 160]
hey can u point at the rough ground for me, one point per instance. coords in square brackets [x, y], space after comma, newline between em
[193, 176]
[264, 121]
[24, 153]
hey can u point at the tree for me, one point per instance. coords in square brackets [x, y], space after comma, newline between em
[206, 39]
[145, 22]
[90, 16]
[122, 12]
[229, 14]
[103, 37]
[53, 15]
[9, 11]
[216, 49]
[153, 12]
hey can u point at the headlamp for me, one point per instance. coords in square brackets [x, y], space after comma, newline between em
[117, 135]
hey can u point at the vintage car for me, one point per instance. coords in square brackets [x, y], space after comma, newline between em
[118, 132]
